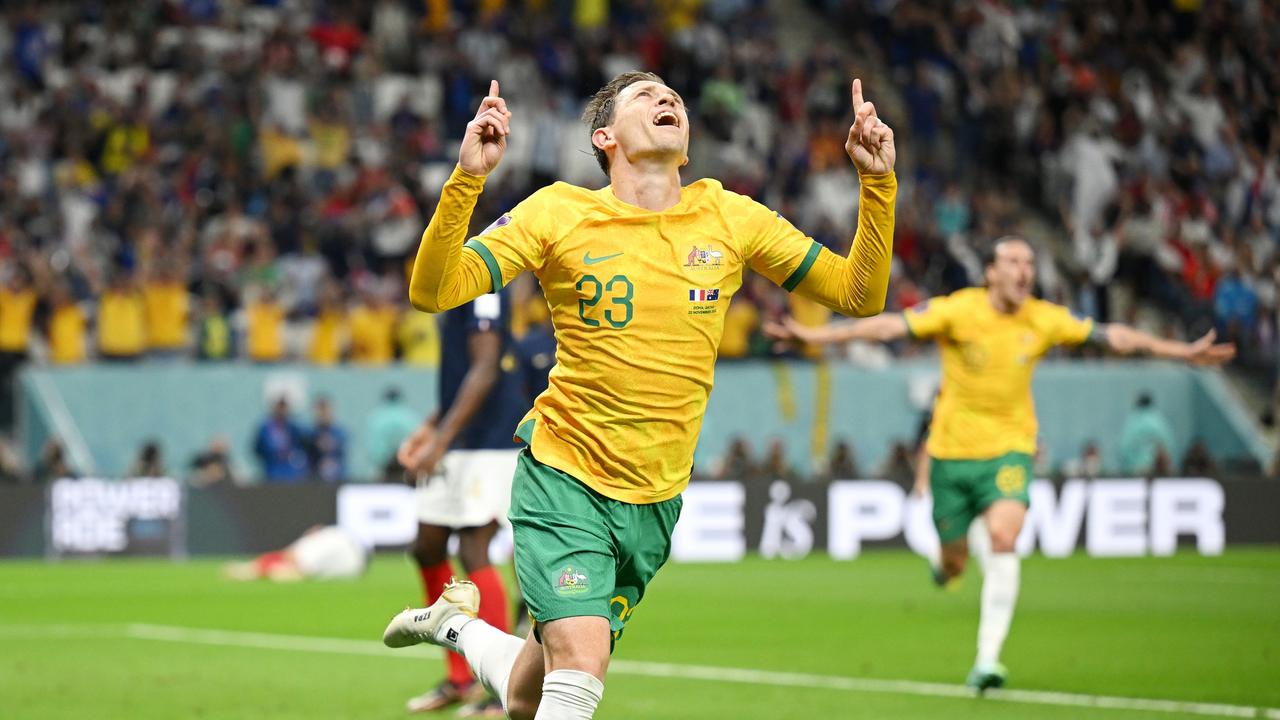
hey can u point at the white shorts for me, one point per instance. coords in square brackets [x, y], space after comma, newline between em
[329, 552]
[473, 489]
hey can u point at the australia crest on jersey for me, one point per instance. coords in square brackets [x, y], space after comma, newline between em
[572, 582]
[704, 257]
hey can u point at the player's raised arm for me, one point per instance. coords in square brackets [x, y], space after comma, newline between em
[883, 328]
[855, 285]
[443, 275]
[1126, 340]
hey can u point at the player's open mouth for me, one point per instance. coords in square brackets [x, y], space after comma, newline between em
[664, 119]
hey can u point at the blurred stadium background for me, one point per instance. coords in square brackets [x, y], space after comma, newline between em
[207, 207]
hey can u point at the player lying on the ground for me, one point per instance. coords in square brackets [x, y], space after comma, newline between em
[637, 276]
[983, 433]
[325, 552]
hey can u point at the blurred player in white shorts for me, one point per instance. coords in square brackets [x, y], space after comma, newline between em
[470, 489]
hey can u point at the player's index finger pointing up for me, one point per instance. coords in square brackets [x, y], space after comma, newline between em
[493, 88]
[857, 93]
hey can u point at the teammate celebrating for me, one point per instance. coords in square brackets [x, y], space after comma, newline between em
[983, 433]
[462, 459]
[637, 276]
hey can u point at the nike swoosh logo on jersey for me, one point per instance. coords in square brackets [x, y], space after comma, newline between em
[586, 258]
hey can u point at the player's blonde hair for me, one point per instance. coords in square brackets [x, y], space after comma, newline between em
[599, 110]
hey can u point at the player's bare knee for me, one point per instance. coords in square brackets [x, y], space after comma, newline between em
[1003, 539]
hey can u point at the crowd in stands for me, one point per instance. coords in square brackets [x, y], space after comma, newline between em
[218, 180]
[1146, 132]
[222, 180]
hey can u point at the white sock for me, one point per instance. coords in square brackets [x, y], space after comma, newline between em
[999, 595]
[569, 695]
[980, 543]
[490, 652]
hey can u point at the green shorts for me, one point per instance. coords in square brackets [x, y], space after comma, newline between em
[579, 553]
[964, 489]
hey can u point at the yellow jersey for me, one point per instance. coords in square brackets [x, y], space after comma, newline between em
[67, 332]
[984, 407]
[16, 309]
[167, 307]
[327, 337]
[419, 339]
[373, 331]
[264, 324]
[121, 323]
[638, 300]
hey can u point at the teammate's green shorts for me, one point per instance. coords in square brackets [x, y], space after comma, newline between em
[579, 553]
[964, 489]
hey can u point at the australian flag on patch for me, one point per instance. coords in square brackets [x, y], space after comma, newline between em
[710, 295]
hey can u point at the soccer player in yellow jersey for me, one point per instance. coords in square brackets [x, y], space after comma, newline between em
[983, 433]
[638, 276]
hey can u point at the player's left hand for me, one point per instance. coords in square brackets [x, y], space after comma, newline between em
[1205, 352]
[870, 144]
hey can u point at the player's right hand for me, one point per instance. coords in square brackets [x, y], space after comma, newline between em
[486, 137]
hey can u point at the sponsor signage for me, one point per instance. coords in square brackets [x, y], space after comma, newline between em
[722, 521]
[94, 516]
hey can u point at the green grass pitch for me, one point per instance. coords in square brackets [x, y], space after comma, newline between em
[111, 640]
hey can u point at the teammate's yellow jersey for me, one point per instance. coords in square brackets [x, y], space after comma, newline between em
[638, 301]
[984, 407]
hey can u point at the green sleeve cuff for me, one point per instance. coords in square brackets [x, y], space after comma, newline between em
[809, 259]
[495, 272]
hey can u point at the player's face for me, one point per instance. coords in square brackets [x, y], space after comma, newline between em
[1013, 274]
[649, 122]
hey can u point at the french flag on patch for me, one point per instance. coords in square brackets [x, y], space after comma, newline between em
[704, 295]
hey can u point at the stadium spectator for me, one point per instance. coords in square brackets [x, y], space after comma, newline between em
[775, 465]
[168, 308]
[17, 306]
[372, 322]
[1087, 466]
[264, 327]
[899, 466]
[843, 464]
[1198, 461]
[280, 445]
[212, 466]
[418, 338]
[68, 327]
[122, 334]
[326, 444]
[214, 338]
[150, 461]
[388, 425]
[329, 330]
[1145, 438]
[53, 463]
[738, 463]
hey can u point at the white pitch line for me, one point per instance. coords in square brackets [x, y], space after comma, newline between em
[343, 646]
